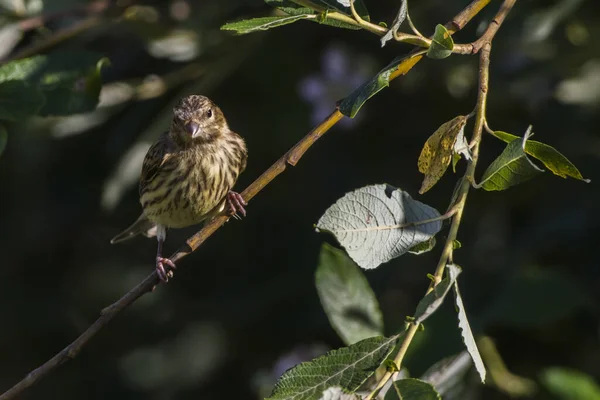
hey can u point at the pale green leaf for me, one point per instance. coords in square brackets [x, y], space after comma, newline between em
[430, 303]
[292, 8]
[570, 384]
[346, 296]
[19, 100]
[21, 69]
[412, 389]
[263, 23]
[441, 43]
[548, 155]
[510, 168]
[447, 374]
[346, 368]
[378, 223]
[400, 17]
[352, 103]
[465, 328]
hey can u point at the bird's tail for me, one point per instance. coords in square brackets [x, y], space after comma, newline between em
[141, 226]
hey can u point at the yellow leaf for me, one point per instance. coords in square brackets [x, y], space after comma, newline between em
[437, 152]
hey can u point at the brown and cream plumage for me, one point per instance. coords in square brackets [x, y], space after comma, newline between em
[187, 175]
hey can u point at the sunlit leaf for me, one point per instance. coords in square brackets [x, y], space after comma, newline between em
[352, 103]
[430, 303]
[411, 389]
[336, 393]
[263, 23]
[447, 374]
[377, 223]
[346, 368]
[346, 296]
[465, 328]
[400, 17]
[548, 155]
[570, 384]
[19, 100]
[441, 43]
[510, 168]
[437, 152]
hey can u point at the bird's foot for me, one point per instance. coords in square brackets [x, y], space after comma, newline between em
[164, 273]
[236, 203]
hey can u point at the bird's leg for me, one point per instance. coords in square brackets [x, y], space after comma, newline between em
[236, 203]
[163, 273]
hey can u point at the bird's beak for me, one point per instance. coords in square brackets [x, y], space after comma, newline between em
[192, 128]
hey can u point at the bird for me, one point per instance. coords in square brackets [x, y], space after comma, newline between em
[187, 175]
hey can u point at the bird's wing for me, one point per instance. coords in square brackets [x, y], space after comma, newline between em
[156, 156]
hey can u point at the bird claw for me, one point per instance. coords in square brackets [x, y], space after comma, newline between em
[164, 273]
[236, 204]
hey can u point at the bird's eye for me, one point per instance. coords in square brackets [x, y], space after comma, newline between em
[209, 113]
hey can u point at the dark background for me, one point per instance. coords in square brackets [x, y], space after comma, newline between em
[243, 308]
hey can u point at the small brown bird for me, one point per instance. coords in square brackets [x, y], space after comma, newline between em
[187, 175]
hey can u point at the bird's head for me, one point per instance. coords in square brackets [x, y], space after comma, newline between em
[196, 119]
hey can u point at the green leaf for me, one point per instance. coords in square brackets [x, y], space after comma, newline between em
[465, 328]
[19, 100]
[347, 368]
[437, 152]
[336, 393]
[377, 223]
[548, 155]
[352, 103]
[289, 7]
[570, 384]
[441, 43]
[294, 9]
[3, 138]
[412, 389]
[423, 247]
[536, 298]
[430, 303]
[343, 6]
[70, 81]
[510, 168]
[346, 296]
[400, 17]
[263, 23]
[446, 375]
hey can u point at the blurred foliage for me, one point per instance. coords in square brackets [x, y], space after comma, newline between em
[245, 308]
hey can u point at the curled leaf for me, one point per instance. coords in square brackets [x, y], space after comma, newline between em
[441, 43]
[438, 150]
[400, 17]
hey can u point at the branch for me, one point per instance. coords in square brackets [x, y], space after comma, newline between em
[291, 157]
[446, 256]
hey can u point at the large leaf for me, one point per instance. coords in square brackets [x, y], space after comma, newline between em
[377, 223]
[570, 384]
[412, 389]
[430, 303]
[347, 368]
[19, 100]
[70, 81]
[510, 168]
[437, 152]
[548, 155]
[263, 23]
[465, 328]
[352, 103]
[441, 43]
[346, 296]
[400, 17]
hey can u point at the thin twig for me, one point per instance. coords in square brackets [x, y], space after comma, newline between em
[291, 157]
[484, 65]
